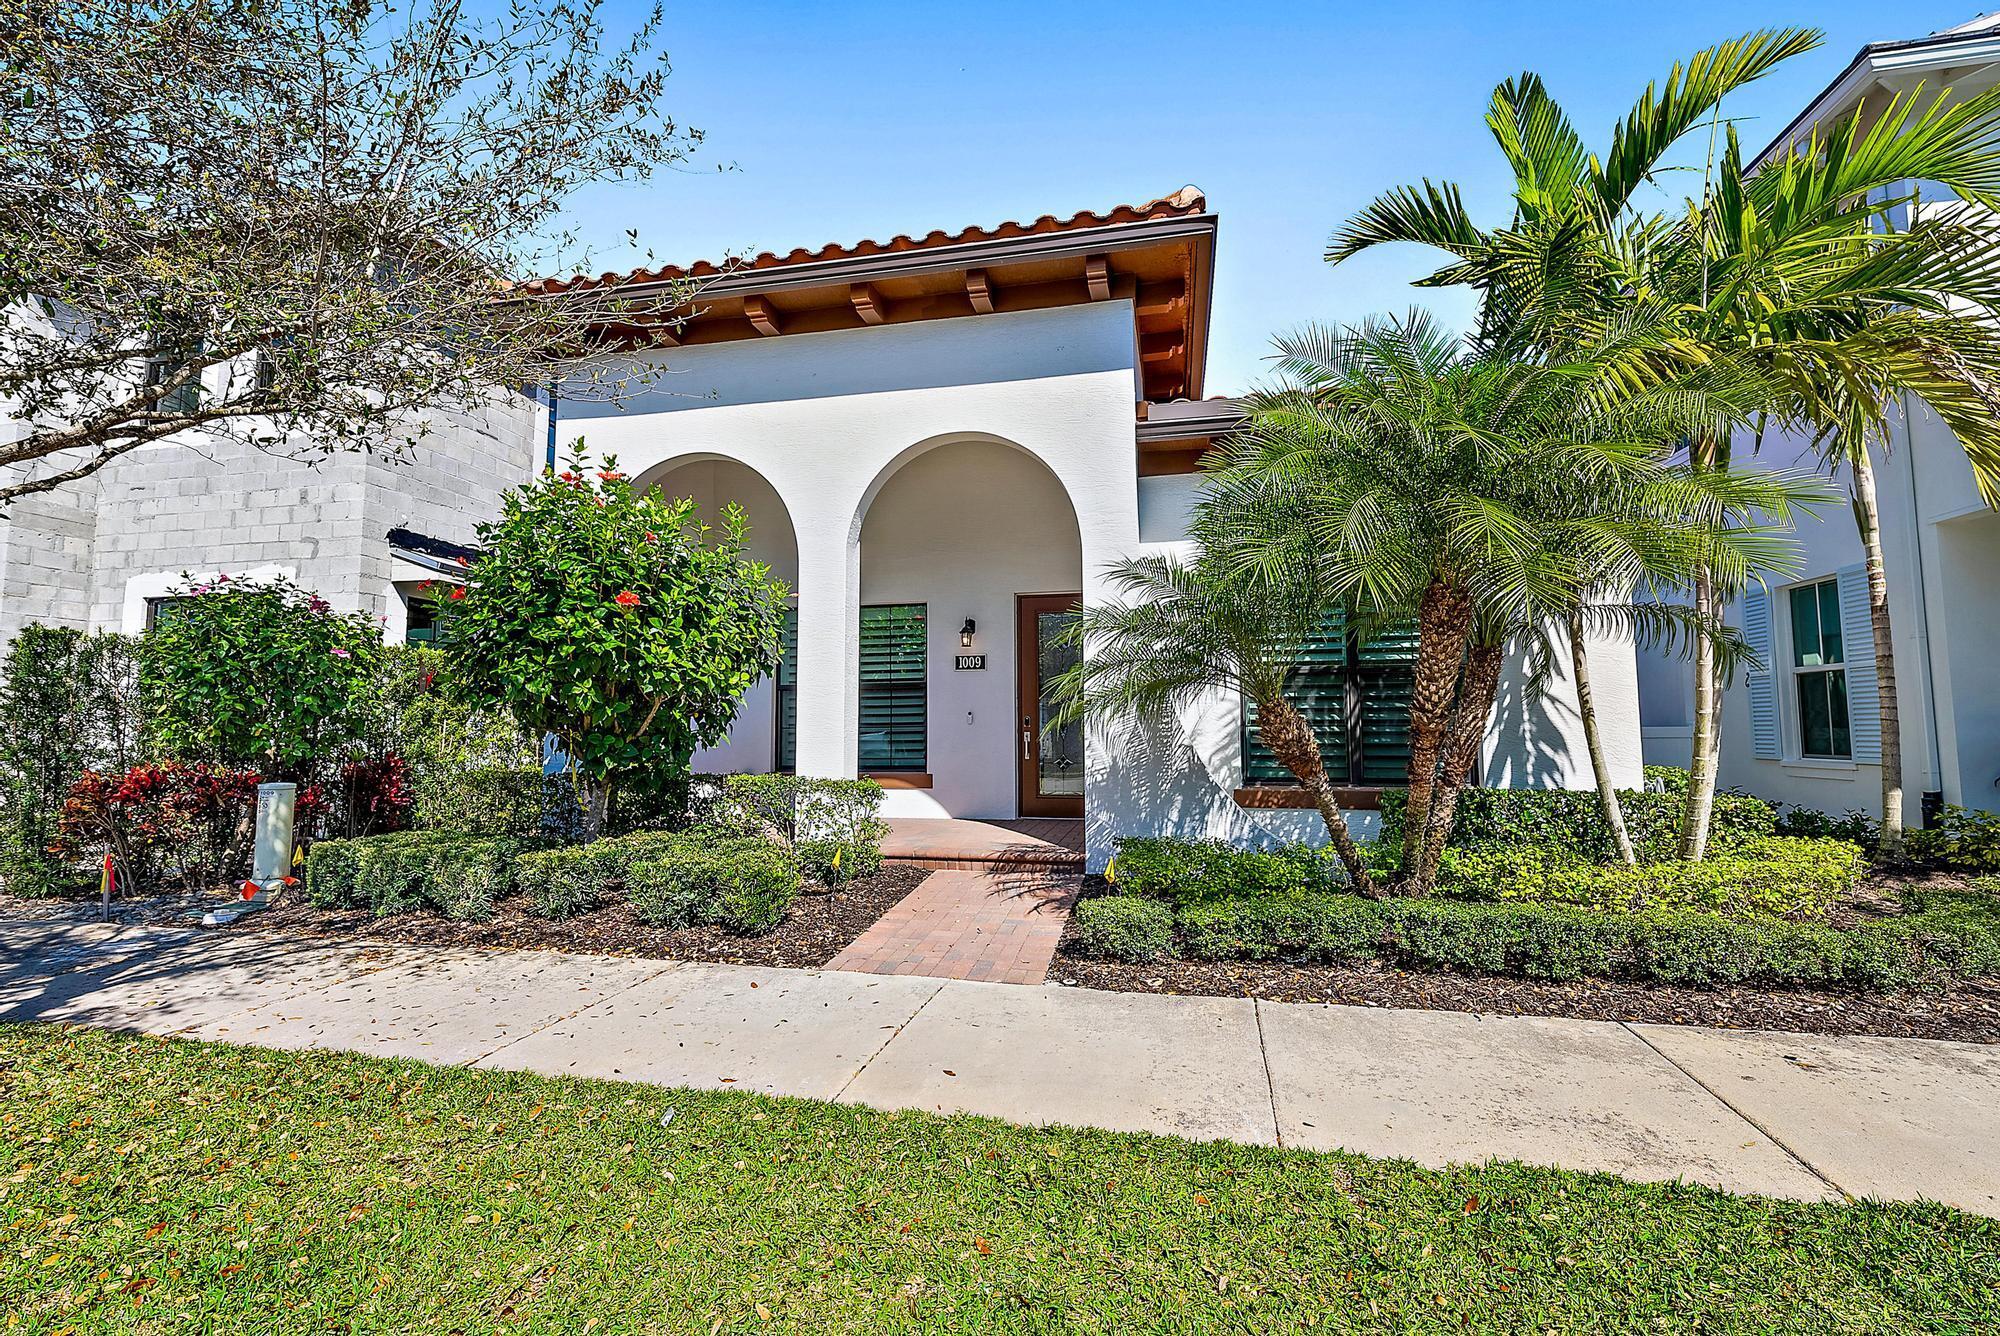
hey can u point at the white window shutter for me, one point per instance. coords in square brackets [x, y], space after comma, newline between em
[1857, 648]
[1759, 680]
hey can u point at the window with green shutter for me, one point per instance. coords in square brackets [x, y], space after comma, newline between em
[788, 692]
[894, 687]
[1356, 695]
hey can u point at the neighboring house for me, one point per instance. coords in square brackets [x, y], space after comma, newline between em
[940, 443]
[1806, 730]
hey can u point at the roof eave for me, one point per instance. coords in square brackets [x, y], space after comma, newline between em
[1872, 61]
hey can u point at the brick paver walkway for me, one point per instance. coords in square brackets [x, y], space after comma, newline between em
[996, 927]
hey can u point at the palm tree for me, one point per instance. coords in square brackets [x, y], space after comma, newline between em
[1487, 494]
[1182, 631]
[1787, 274]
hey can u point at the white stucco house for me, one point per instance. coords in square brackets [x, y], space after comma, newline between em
[941, 442]
[1806, 730]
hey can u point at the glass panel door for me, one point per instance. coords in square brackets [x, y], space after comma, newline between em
[1059, 759]
[1050, 757]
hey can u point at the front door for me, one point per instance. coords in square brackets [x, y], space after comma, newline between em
[1051, 759]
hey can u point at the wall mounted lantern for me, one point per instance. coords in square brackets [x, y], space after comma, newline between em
[965, 633]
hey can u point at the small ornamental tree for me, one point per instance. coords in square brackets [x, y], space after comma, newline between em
[616, 621]
[259, 674]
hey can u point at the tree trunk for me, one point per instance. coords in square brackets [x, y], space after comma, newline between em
[1868, 516]
[1586, 708]
[598, 811]
[1702, 758]
[1461, 753]
[1290, 738]
[1444, 621]
[1706, 453]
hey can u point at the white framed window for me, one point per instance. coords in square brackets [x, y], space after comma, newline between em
[1817, 670]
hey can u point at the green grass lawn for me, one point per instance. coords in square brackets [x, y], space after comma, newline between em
[166, 1186]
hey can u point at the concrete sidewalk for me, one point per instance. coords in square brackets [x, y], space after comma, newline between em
[1787, 1115]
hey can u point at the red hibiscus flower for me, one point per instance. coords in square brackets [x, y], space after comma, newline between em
[626, 599]
[609, 475]
[458, 591]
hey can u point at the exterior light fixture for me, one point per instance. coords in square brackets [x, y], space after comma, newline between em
[965, 633]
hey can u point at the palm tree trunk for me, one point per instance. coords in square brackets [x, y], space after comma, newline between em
[1290, 738]
[1444, 621]
[1868, 516]
[1704, 454]
[1586, 708]
[1461, 753]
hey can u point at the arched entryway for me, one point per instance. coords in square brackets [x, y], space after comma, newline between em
[967, 532]
[762, 737]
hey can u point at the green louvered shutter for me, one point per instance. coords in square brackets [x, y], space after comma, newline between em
[1318, 687]
[1356, 696]
[1386, 668]
[788, 692]
[893, 688]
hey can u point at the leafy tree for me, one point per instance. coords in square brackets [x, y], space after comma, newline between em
[615, 621]
[258, 674]
[292, 223]
[1796, 274]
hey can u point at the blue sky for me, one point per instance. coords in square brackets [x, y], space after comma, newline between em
[842, 121]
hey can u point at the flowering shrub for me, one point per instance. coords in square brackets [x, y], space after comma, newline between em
[615, 620]
[258, 673]
[187, 823]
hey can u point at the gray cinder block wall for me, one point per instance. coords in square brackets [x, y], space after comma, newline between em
[72, 557]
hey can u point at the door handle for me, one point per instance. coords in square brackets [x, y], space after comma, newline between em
[1027, 740]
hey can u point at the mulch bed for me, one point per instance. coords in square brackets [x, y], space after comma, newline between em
[1970, 1012]
[812, 933]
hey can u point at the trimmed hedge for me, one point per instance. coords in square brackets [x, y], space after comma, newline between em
[745, 885]
[1124, 927]
[1944, 937]
[1790, 878]
[458, 876]
[1188, 871]
[1490, 820]
[576, 878]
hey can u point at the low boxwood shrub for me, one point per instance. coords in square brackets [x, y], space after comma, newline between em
[1186, 871]
[1944, 936]
[745, 885]
[1790, 878]
[1317, 928]
[576, 878]
[1488, 820]
[519, 803]
[1124, 927]
[413, 869]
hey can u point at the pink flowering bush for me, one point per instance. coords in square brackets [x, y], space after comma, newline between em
[258, 674]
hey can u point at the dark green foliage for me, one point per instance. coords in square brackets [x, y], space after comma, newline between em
[1791, 878]
[1959, 840]
[1321, 929]
[516, 802]
[1942, 938]
[259, 674]
[1186, 871]
[577, 878]
[745, 885]
[1569, 819]
[68, 703]
[459, 876]
[1124, 927]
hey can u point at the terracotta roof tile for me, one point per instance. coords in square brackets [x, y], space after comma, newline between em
[1183, 202]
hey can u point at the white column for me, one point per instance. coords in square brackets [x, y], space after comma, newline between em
[829, 664]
